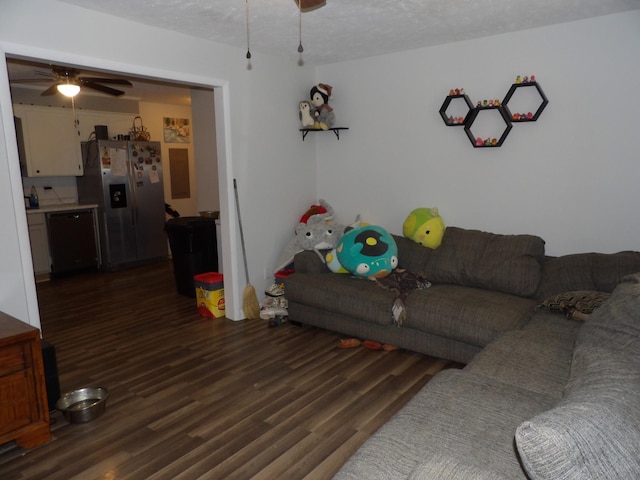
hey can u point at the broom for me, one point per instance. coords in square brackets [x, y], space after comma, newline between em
[250, 305]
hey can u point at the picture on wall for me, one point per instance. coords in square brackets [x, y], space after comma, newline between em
[176, 130]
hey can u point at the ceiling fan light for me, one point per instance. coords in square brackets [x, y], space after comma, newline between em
[68, 89]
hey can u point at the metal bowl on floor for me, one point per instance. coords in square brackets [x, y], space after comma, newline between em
[84, 404]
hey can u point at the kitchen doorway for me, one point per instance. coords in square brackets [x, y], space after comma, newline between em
[212, 110]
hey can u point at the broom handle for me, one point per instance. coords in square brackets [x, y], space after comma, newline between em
[244, 252]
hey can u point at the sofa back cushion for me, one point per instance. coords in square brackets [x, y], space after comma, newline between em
[594, 431]
[471, 258]
[599, 272]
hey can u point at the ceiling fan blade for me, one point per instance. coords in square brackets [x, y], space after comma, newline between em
[103, 89]
[52, 90]
[114, 81]
[45, 74]
[30, 80]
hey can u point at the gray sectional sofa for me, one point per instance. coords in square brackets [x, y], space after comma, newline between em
[541, 396]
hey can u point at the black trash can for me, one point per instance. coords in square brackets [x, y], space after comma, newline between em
[193, 248]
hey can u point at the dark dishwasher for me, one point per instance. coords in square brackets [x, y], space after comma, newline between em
[72, 241]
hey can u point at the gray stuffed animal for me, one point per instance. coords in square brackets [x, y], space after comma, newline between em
[316, 234]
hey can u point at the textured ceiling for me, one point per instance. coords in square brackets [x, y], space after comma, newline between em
[349, 29]
[342, 30]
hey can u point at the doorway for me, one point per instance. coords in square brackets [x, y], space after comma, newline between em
[215, 112]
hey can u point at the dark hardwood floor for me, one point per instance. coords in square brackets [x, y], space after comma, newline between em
[199, 398]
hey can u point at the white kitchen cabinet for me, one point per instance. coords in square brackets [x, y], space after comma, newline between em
[51, 141]
[39, 243]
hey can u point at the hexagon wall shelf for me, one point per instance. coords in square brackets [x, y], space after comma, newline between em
[523, 117]
[455, 101]
[494, 142]
[509, 118]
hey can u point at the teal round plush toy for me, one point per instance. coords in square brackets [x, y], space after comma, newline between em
[368, 251]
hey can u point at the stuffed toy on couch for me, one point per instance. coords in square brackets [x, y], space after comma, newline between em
[368, 251]
[425, 227]
[314, 232]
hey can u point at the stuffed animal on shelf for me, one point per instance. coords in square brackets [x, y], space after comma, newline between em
[306, 114]
[324, 117]
[424, 226]
[368, 251]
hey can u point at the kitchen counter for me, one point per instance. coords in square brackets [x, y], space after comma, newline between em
[63, 207]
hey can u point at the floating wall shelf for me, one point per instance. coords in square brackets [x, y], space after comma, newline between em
[462, 103]
[336, 130]
[523, 117]
[455, 101]
[473, 116]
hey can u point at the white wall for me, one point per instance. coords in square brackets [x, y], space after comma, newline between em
[152, 115]
[258, 140]
[571, 177]
[205, 145]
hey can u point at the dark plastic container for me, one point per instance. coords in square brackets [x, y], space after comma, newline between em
[193, 248]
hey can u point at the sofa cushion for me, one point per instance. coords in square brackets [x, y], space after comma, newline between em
[471, 258]
[471, 417]
[343, 294]
[586, 271]
[594, 432]
[470, 315]
[308, 261]
[533, 359]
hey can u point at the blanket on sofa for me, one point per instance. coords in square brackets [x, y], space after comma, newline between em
[402, 282]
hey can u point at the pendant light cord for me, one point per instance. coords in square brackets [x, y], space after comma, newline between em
[300, 49]
[247, 17]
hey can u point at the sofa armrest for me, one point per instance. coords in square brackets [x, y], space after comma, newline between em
[309, 262]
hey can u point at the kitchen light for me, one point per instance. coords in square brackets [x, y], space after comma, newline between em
[68, 89]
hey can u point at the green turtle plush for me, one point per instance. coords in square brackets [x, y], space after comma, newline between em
[424, 226]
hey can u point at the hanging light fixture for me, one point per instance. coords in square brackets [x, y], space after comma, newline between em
[248, 47]
[68, 89]
[303, 6]
[300, 48]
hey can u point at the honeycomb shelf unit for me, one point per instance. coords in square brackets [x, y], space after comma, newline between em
[466, 114]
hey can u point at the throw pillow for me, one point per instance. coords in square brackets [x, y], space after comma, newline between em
[577, 305]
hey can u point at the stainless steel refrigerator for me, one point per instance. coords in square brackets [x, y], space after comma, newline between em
[125, 180]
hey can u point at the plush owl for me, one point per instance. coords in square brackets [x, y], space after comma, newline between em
[424, 226]
[306, 114]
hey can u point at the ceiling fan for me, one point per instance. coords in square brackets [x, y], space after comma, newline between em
[70, 77]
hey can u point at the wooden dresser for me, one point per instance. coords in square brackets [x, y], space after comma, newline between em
[24, 412]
